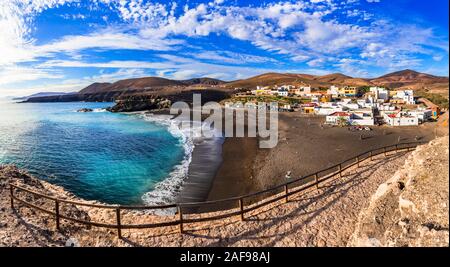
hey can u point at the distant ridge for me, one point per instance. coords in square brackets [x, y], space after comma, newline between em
[42, 94]
[162, 86]
[146, 83]
[392, 80]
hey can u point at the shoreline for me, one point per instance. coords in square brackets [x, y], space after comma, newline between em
[192, 179]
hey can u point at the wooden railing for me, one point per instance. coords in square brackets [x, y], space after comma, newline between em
[244, 203]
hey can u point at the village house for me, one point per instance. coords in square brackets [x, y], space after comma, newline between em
[385, 107]
[422, 114]
[338, 117]
[398, 118]
[380, 93]
[333, 91]
[366, 103]
[282, 92]
[404, 97]
[363, 117]
[359, 117]
[308, 108]
[348, 91]
[348, 103]
[435, 110]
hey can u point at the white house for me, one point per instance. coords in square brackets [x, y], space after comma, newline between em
[336, 117]
[347, 103]
[380, 93]
[325, 111]
[333, 91]
[400, 119]
[422, 114]
[385, 107]
[362, 117]
[305, 89]
[407, 96]
[366, 103]
[283, 92]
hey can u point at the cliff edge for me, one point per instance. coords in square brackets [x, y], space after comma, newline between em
[412, 207]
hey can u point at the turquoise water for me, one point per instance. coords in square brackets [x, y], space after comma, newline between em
[113, 158]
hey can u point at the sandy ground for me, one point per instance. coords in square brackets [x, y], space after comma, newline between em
[304, 147]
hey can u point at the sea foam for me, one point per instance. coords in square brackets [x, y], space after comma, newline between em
[166, 191]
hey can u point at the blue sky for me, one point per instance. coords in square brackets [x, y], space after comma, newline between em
[64, 45]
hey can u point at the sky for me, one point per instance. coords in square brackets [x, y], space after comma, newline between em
[65, 45]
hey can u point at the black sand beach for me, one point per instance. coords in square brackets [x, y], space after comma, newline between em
[304, 146]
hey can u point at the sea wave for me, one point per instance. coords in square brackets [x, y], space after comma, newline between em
[166, 191]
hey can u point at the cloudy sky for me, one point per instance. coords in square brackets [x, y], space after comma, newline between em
[64, 45]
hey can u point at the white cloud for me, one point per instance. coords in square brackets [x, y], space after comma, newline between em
[107, 39]
[293, 32]
[10, 75]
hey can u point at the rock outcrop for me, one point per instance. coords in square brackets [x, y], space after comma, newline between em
[85, 110]
[140, 103]
[411, 208]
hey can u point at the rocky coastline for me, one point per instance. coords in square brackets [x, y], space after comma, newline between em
[137, 100]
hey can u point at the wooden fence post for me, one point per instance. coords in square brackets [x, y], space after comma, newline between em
[370, 155]
[57, 213]
[119, 225]
[180, 218]
[241, 207]
[357, 161]
[286, 191]
[396, 149]
[340, 170]
[316, 178]
[384, 150]
[11, 193]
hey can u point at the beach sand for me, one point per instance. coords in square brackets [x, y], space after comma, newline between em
[304, 146]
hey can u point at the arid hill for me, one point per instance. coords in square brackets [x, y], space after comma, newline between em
[401, 79]
[145, 84]
[341, 79]
[414, 80]
[167, 87]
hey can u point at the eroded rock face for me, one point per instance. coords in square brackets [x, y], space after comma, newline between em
[140, 103]
[411, 208]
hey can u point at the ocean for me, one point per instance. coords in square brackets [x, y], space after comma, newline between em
[113, 158]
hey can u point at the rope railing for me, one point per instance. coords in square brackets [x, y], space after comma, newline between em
[243, 205]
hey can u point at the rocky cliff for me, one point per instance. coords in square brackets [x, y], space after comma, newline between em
[140, 103]
[412, 207]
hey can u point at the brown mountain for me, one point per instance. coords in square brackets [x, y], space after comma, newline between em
[95, 87]
[146, 83]
[161, 86]
[408, 76]
[400, 79]
[414, 80]
[270, 79]
[341, 79]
